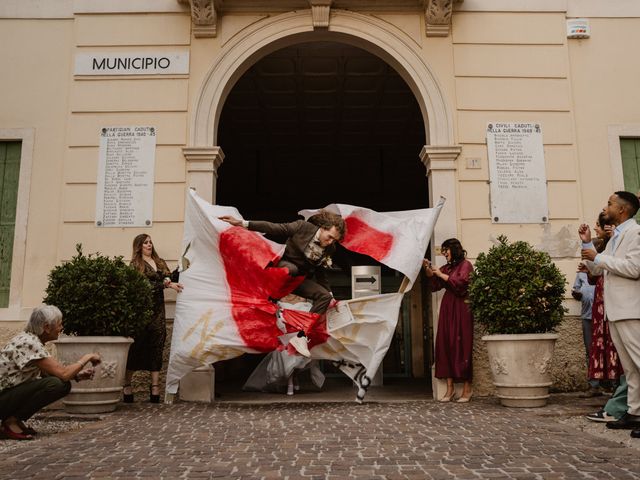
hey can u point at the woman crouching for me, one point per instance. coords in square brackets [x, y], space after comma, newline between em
[30, 378]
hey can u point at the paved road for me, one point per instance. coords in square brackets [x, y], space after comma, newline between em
[392, 440]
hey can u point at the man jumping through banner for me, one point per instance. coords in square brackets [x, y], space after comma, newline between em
[308, 251]
[227, 308]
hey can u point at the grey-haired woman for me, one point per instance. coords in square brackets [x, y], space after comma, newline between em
[30, 378]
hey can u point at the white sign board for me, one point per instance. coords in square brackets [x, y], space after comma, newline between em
[517, 173]
[132, 63]
[125, 177]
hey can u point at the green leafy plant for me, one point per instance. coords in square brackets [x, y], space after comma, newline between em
[99, 295]
[516, 289]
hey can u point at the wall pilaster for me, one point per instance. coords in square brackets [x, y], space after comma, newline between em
[202, 169]
[440, 162]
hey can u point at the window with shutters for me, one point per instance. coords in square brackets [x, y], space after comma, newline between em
[630, 151]
[9, 177]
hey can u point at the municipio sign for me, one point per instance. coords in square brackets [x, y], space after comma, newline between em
[132, 63]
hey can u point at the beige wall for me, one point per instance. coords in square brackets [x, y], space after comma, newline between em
[604, 78]
[511, 67]
[95, 102]
[496, 65]
[34, 94]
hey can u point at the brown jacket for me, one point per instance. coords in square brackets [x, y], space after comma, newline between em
[299, 234]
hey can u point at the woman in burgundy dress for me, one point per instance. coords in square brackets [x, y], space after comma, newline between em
[454, 340]
[603, 357]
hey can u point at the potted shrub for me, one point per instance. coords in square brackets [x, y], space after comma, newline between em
[516, 294]
[103, 301]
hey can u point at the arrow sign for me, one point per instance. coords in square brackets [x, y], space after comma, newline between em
[370, 280]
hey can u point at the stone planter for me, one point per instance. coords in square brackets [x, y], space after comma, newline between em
[521, 367]
[102, 394]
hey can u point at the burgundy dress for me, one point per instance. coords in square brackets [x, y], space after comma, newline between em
[603, 357]
[454, 340]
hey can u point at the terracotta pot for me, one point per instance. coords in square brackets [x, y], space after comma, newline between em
[102, 394]
[521, 367]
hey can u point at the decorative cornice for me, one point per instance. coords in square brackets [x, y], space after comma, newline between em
[204, 13]
[320, 12]
[203, 159]
[438, 16]
[204, 17]
[440, 157]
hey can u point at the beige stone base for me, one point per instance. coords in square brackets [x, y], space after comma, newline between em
[198, 386]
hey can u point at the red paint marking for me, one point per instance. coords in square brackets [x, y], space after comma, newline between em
[363, 238]
[314, 325]
[245, 255]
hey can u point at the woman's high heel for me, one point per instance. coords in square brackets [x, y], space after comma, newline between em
[153, 398]
[127, 397]
[465, 398]
[447, 398]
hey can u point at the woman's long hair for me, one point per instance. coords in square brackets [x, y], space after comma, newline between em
[601, 243]
[454, 246]
[136, 257]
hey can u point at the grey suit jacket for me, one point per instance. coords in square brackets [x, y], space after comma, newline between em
[299, 234]
[621, 270]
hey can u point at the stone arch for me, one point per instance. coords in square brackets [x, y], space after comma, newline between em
[364, 31]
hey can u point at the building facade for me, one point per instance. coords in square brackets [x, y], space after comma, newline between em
[278, 105]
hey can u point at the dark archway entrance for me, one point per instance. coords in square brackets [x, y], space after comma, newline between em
[319, 123]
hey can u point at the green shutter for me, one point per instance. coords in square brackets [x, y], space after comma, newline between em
[630, 149]
[9, 176]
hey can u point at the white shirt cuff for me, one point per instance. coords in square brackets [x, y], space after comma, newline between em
[245, 223]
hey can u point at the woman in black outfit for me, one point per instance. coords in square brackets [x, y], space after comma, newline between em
[146, 351]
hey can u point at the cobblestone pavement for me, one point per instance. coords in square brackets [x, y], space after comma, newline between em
[376, 440]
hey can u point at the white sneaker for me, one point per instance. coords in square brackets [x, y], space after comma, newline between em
[360, 395]
[600, 416]
[290, 390]
[300, 344]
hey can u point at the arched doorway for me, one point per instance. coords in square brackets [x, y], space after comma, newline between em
[318, 123]
[204, 153]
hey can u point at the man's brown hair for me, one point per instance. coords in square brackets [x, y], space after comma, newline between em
[325, 219]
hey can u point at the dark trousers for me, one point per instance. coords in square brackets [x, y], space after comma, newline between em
[23, 400]
[319, 296]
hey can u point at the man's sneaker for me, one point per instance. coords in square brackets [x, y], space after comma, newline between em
[300, 344]
[600, 416]
[360, 395]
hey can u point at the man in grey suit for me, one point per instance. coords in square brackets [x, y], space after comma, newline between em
[308, 251]
[620, 265]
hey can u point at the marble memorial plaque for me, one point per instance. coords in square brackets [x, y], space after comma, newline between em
[125, 177]
[517, 173]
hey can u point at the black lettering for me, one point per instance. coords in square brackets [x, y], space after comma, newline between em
[98, 66]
